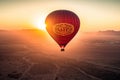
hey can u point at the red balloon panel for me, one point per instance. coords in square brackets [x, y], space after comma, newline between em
[62, 25]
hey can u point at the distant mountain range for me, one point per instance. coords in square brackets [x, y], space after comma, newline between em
[107, 32]
[110, 32]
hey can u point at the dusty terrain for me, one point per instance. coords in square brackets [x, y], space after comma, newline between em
[29, 57]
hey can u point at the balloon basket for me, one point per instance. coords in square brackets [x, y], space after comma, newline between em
[62, 50]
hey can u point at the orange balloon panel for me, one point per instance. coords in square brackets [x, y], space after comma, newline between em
[62, 25]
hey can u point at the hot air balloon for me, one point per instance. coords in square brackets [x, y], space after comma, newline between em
[62, 25]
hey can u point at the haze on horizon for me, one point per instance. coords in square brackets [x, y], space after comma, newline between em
[95, 15]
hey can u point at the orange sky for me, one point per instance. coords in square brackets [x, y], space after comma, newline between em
[95, 15]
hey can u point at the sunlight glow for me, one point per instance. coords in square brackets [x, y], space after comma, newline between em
[39, 22]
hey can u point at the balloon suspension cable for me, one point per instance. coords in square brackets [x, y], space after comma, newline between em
[62, 48]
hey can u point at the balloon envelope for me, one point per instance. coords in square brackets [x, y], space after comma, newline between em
[62, 25]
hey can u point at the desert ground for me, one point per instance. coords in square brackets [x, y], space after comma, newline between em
[27, 55]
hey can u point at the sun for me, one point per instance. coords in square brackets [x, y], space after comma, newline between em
[39, 23]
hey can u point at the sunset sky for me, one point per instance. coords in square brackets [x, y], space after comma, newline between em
[95, 15]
